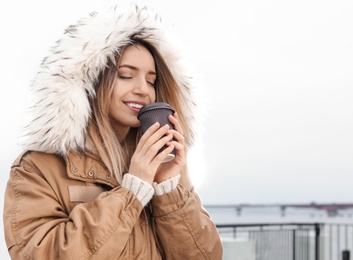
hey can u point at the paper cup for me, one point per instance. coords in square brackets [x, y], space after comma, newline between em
[156, 112]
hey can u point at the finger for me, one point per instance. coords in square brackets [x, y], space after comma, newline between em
[178, 146]
[153, 133]
[146, 159]
[152, 129]
[174, 120]
[176, 115]
[152, 151]
[180, 154]
[163, 154]
[155, 137]
[177, 135]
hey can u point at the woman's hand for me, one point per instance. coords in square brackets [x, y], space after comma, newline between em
[145, 161]
[174, 167]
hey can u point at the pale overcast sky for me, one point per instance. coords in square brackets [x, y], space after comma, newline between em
[278, 76]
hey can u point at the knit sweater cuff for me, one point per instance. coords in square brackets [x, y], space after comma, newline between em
[166, 186]
[142, 189]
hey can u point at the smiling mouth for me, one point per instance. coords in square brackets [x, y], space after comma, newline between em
[134, 105]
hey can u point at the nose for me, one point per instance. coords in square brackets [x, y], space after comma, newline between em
[141, 87]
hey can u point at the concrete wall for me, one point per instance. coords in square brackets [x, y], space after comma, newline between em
[240, 249]
[236, 249]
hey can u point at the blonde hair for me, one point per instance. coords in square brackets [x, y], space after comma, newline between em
[114, 154]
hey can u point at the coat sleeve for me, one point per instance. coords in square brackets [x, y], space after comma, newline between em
[37, 225]
[184, 229]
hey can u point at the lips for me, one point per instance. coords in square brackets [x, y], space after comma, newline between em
[134, 105]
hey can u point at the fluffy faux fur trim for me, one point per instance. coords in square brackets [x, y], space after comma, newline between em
[60, 109]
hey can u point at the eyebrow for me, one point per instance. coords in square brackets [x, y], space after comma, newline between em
[135, 68]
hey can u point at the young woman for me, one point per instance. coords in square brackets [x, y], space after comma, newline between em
[89, 185]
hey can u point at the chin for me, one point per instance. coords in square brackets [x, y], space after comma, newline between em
[136, 124]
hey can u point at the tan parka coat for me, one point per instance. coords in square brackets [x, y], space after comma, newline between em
[61, 202]
[53, 211]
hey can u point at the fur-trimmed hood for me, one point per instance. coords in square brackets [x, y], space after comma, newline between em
[59, 112]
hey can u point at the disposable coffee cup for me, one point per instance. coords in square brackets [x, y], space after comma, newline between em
[157, 112]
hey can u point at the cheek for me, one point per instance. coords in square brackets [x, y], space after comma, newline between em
[153, 95]
[116, 92]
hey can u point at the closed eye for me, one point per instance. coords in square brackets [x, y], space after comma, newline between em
[124, 77]
[151, 83]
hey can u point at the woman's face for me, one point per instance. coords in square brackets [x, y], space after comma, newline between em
[133, 87]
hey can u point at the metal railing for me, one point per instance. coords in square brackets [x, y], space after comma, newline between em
[339, 241]
[295, 241]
